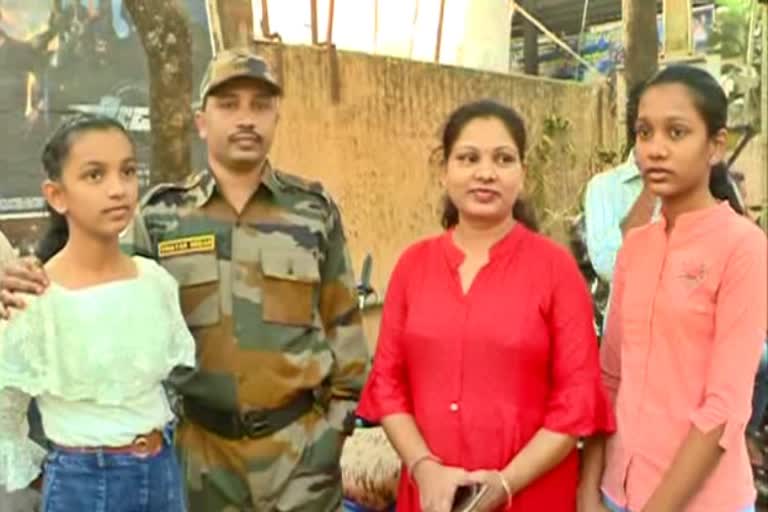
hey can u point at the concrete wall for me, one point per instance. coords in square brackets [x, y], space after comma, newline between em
[371, 146]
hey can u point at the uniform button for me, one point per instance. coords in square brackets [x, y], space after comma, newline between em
[454, 407]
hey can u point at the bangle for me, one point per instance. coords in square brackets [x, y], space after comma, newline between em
[419, 460]
[507, 488]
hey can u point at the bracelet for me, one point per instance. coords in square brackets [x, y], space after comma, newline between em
[507, 488]
[419, 460]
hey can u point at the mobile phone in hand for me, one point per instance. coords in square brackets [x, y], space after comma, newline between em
[468, 497]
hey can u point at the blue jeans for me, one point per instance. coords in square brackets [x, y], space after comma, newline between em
[615, 508]
[760, 398]
[106, 482]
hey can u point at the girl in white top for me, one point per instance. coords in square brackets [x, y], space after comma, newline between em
[96, 347]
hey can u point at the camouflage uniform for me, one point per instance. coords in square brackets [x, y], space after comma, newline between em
[270, 298]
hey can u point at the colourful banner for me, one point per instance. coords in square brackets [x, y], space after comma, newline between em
[58, 57]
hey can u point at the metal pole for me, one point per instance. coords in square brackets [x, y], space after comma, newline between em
[265, 20]
[553, 37]
[530, 44]
[313, 9]
[583, 25]
[439, 31]
[329, 34]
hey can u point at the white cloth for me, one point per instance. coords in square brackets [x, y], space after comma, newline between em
[95, 358]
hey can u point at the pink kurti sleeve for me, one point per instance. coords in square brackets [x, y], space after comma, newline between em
[577, 403]
[740, 329]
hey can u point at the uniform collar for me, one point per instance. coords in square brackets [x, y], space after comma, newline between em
[205, 182]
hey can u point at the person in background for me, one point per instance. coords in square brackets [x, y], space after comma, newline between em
[756, 435]
[687, 320]
[615, 202]
[25, 500]
[486, 370]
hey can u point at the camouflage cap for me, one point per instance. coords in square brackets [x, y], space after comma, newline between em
[230, 64]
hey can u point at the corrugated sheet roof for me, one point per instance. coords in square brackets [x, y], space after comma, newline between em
[563, 17]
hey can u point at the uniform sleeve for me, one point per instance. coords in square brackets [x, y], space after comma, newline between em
[740, 327]
[387, 390]
[342, 321]
[135, 239]
[610, 350]
[577, 404]
[21, 458]
[603, 226]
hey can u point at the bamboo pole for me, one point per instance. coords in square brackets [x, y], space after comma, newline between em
[439, 31]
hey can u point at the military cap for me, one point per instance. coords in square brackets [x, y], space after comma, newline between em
[238, 63]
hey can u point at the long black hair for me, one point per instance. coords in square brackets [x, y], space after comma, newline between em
[521, 210]
[54, 158]
[710, 101]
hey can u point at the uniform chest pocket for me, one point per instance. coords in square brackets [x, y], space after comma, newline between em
[198, 278]
[290, 287]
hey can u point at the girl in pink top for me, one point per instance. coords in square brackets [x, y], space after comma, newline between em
[686, 324]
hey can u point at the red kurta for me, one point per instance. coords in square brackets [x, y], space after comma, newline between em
[481, 373]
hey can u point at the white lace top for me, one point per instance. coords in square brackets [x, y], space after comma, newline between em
[95, 358]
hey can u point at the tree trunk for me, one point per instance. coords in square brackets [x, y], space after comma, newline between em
[530, 40]
[164, 31]
[641, 41]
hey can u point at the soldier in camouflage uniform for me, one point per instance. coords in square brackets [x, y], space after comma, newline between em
[268, 291]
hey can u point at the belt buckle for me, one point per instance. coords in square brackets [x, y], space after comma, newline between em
[254, 423]
[141, 447]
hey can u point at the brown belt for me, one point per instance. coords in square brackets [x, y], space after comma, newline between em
[145, 445]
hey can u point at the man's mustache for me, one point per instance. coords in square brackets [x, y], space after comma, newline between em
[243, 134]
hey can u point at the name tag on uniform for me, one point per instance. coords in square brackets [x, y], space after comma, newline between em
[188, 245]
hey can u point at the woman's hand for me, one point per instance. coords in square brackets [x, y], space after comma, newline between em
[437, 485]
[496, 495]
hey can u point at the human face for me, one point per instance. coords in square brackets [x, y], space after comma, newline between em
[484, 173]
[98, 189]
[674, 150]
[238, 122]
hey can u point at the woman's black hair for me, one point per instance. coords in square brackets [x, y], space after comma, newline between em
[712, 104]
[54, 158]
[483, 109]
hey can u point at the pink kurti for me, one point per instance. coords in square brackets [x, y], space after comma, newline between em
[482, 372]
[685, 331]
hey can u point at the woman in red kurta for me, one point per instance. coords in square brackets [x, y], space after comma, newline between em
[486, 368]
